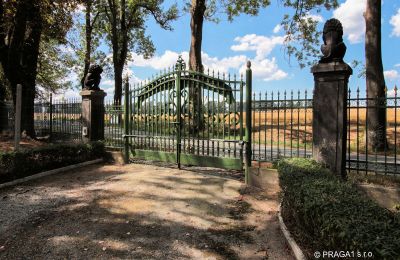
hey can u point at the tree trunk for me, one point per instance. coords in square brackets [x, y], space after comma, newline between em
[19, 59]
[88, 31]
[376, 113]
[196, 26]
[30, 60]
[195, 63]
[118, 69]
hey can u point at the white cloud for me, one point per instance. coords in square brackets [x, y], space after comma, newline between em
[391, 75]
[225, 64]
[68, 94]
[277, 28]
[166, 60]
[108, 82]
[350, 13]
[262, 45]
[315, 17]
[397, 65]
[169, 58]
[263, 67]
[80, 9]
[266, 69]
[395, 22]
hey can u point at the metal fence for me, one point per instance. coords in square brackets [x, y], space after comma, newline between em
[113, 125]
[9, 113]
[58, 120]
[282, 127]
[362, 154]
[54, 120]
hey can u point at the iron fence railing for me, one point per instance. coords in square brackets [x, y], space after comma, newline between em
[113, 125]
[282, 127]
[54, 120]
[373, 147]
[8, 119]
[58, 120]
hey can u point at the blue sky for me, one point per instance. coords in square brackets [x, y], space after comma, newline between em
[227, 46]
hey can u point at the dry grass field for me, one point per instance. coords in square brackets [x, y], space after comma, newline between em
[294, 127]
[289, 128]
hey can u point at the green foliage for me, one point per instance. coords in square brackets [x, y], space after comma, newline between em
[53, 18]
[303, 37]
[14, 165]
[77, 37]
[125, 24]
[330, 214]
[54, 66]
[232, 8]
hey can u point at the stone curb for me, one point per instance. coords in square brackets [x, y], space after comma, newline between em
[47, 173]
[298, 253]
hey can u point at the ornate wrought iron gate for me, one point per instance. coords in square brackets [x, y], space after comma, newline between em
[188, 118]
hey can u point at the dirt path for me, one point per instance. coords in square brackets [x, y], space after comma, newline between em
[139, 212]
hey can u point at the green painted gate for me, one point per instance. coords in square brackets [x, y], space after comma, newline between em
[188, 118]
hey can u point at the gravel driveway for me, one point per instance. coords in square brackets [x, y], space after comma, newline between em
[139, 212]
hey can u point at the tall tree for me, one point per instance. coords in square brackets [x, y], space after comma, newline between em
[125, 30]
[376, 115]
[24, 24]
[92, 12]
[207, 9]
[199, 11]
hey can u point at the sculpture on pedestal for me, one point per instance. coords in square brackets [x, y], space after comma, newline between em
[93, 78]
[333, 48]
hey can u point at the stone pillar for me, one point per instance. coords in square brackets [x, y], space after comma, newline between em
[330, 114]
[92, 115]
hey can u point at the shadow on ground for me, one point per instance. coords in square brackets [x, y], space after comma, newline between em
[141, 212]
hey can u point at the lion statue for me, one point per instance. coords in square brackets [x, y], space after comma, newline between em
[93, 78]
[333, 48]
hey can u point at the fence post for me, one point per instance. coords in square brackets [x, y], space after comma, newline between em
[178, 68]
[248, 121]
[18, 104]
[51, 117]
[126, 121]
[331, 76]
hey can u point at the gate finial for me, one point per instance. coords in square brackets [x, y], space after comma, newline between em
[180, 64]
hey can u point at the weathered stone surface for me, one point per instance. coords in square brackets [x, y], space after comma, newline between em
[93, 114]
[330, 114]
[333, 48]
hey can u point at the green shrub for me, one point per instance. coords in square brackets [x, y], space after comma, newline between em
[14, 165]
[330, 214]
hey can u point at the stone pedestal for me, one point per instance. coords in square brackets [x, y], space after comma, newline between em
[93, 115]
[330, 114]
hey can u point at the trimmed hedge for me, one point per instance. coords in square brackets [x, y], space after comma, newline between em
[15, 165]
[327, 213]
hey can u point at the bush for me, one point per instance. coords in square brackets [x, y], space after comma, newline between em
[332, 215]
[14, 165]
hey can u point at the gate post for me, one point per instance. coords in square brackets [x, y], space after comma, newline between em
[92, 115]
[179, 67]
[126, 121]
[331, 76]
[248, 121]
